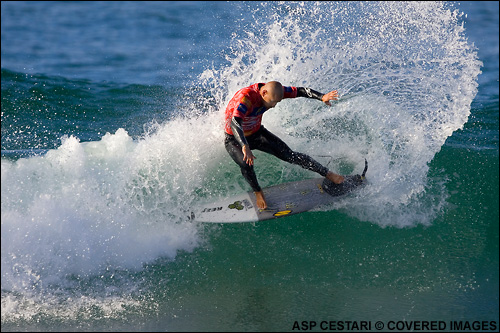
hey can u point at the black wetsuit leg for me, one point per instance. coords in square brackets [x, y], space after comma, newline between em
[234, 150]
[270, 143]
[267, 142]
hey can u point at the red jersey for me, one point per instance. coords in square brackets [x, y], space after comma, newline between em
[248, 105]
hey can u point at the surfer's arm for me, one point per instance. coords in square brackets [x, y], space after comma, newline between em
[237, 128]
[239, 135]
[311, 93]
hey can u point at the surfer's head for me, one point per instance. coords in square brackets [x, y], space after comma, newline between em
[272, 93]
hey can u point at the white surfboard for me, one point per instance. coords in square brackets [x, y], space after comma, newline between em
[282, 200]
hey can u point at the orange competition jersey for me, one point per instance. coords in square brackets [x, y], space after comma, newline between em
[247, 104]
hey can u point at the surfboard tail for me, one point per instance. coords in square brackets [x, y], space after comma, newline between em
[350, 182]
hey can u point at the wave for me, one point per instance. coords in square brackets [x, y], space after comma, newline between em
[406, 75]
[39, 109]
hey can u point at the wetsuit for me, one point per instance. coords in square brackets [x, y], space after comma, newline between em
[243, 126]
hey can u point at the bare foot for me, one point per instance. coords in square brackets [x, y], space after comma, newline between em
[261, 202]
[336, 179]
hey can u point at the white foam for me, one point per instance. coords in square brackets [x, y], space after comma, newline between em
[406, 75]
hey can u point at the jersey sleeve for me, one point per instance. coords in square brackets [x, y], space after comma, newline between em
[289, 92]
[243, 106]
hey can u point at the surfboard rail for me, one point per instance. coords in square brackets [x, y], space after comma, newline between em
[283, 200]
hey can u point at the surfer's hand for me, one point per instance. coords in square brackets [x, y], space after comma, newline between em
[332, 95]
[247, 155]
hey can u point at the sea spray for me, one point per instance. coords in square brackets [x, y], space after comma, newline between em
[406, 77]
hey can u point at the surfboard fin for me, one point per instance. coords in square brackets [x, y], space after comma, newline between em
[364, 171]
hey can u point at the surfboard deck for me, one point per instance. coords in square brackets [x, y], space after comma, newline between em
[282, 200]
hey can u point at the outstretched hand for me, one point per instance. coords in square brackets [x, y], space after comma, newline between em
[332, 95]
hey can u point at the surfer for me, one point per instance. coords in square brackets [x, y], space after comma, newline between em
[244, 131]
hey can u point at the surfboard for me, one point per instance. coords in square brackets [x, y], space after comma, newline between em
[282, 200]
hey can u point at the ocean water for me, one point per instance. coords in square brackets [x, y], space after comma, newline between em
[112, 131]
